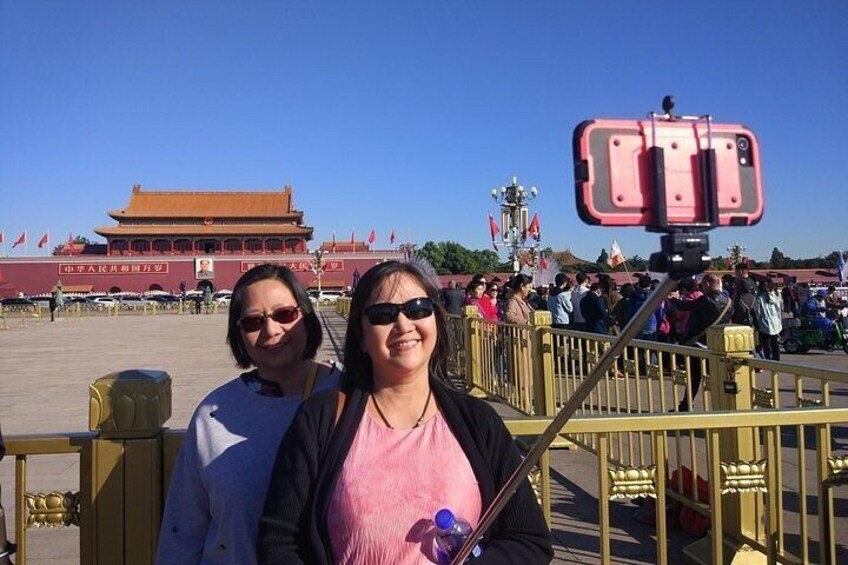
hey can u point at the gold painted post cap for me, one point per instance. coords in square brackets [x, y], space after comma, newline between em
[132, 403]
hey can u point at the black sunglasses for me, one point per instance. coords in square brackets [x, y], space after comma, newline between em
[254, 322]
[386, 313]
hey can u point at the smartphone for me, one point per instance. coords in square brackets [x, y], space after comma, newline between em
[617, 164]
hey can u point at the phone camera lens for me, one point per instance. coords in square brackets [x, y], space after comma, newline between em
[742, 143]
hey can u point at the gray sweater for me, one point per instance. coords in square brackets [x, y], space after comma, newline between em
[221, 475]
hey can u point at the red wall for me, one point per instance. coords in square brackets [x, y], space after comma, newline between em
[34, 276]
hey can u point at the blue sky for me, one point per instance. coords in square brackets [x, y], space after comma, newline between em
[404, 115]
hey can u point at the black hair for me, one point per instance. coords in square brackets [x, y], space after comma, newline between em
[582, 277]
[358, 368]
[286, 277]
[560, 279]
[518, 281]
[474, 283]
[686, 285]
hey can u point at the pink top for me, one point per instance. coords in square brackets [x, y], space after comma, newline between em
[391, 486]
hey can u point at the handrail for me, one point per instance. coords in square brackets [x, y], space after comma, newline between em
[719, 420]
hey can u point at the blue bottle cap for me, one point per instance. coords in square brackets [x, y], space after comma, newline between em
[444, 519]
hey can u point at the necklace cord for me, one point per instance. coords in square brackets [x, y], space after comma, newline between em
[417, 422]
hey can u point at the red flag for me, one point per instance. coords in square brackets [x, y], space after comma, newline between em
[372, 237]
[391, 238]
[493, 229]
[43, 241]
[1, 236]
[333, 249]
[20, 241]
[543, 262]
[533, 229]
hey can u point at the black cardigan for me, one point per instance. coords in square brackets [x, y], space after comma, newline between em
[293, 528]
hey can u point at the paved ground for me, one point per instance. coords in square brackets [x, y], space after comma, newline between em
[45, 370]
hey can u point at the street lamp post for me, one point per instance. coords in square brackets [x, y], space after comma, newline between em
[515, 214]
[317, 265]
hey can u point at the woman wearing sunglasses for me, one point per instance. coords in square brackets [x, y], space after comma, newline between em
[221, 474]
[360, 475]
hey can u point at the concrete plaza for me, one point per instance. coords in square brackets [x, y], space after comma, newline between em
[45, 370]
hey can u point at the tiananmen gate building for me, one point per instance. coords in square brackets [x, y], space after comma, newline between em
[199, 238]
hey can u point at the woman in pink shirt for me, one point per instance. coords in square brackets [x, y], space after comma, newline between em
[360, 475]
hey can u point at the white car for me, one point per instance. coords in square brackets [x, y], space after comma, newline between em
[329, 296]
[104, 300]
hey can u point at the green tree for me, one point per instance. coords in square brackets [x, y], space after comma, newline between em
[778, 259]
[451, 258]
[637, 263]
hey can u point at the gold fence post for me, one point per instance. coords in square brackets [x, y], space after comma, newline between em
[542, 350]
[121, 479]
[473, 349]
[731, 390]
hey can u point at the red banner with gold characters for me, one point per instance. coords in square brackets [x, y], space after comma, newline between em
[305, 266]
[113, 268]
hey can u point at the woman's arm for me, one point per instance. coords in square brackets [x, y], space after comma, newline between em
[519, 534]
[185, 522]
[285, 524]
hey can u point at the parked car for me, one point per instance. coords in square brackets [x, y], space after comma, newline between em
[223, 297]
[163, 298]
[135, 302]
[104, 300]
[329, 296]
[17, 302]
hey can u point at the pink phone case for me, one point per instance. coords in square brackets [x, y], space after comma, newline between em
[613, 172]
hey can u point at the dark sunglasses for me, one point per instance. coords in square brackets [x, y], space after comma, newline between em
[493, 289]
[254, 322]
[386, 313]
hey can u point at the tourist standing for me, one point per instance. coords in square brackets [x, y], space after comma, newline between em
[594, 310]
[711, 308]
[488, 303]
[221, 474]
[559, 302]
[360, 475]
[453, 298]
[577, 321]
[769, 319]
[518, 308]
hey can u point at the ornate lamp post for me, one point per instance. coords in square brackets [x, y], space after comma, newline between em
[317, 265]
[515, 219]
[737, 254]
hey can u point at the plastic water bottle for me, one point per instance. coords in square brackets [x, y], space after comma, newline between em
[451, 533]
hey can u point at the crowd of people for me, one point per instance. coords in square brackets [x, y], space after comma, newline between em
[683, 317]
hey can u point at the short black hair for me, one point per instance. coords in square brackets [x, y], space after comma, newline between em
[359, 372]
[560, 279]
[286, 277]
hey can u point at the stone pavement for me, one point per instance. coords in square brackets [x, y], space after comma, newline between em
[45, 370]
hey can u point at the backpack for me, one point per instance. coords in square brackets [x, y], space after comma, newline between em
[743, 310]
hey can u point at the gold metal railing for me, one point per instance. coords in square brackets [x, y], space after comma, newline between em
[745, 499]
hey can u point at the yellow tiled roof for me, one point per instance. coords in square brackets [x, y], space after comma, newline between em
[207, 204]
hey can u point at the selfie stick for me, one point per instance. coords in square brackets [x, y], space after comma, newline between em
[685, 252]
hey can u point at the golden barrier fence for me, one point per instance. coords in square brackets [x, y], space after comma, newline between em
[13, 316]
[535, 369]
[125, 465]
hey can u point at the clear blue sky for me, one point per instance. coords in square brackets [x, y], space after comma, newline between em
[405, 115]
